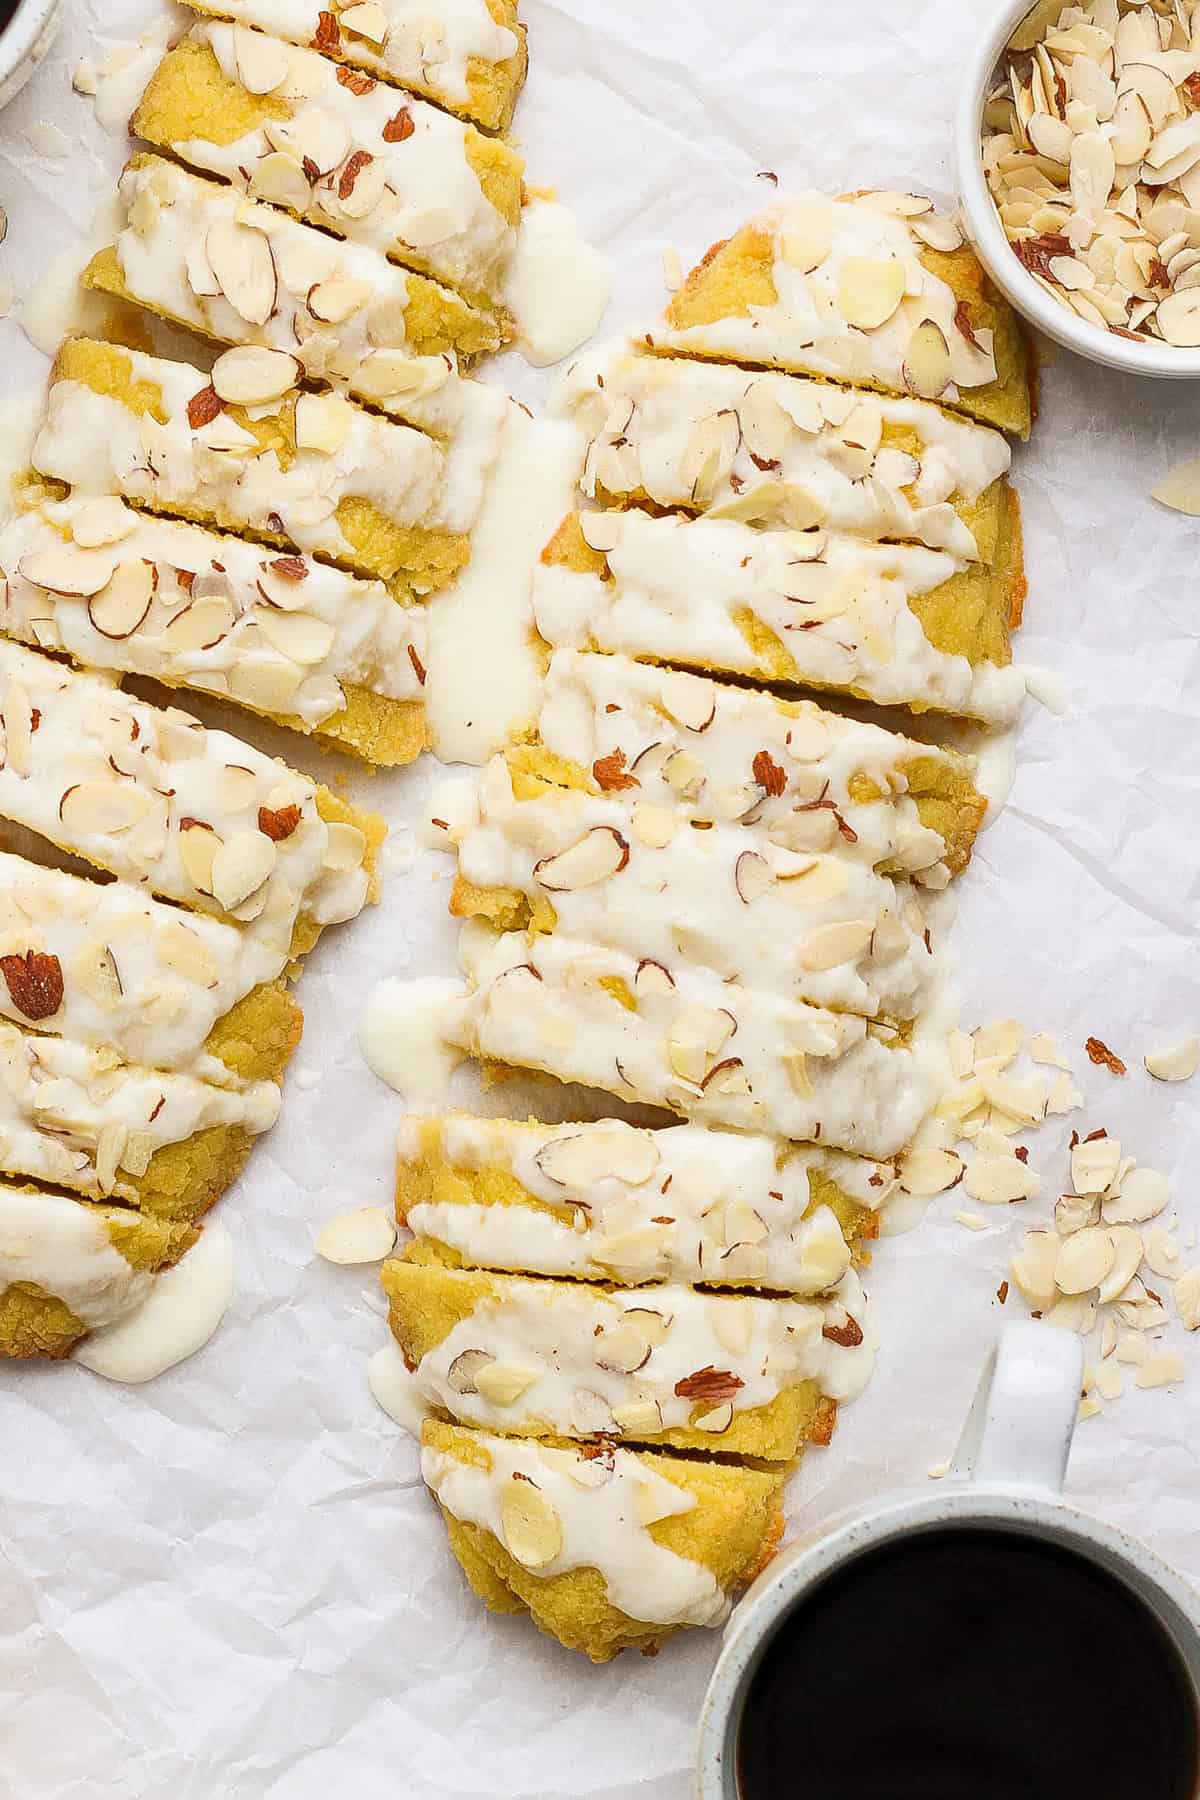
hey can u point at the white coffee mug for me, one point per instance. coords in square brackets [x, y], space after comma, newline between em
[25, 41]
[1007, 1475]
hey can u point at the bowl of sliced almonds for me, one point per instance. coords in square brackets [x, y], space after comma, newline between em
[1078, 140]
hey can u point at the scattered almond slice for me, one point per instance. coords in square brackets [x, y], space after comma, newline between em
[1110, 1383]
[972, 1220]
[1180, 489]
[1162, 1370]
[366, 1235]
[999, 1042]
[1084, 1259]
[1187, 1298]
[1064, 1097]
[1162, 1253]
[1138, 1195]
[961, 1050]
[1000, 1180]
[1177, 1062]
[1094, 1162]
[1044, 1049]
[929, 1171]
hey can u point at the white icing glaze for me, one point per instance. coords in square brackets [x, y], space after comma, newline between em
[801, 1071]
[167, 215]
[558, 285]
[64, 1248]
[82, 1119]
[123, 74]
[566, 1340]
[839, 607]
[402, 1037]
[429, 210]
[673, 1206]
[805, 329]
[725, 897]
[394, 1389]
[484, 671]
[169, 777]
[100, 445]
[138, 976]
[600, 708]
[430, 44]
[178, 1317]
[368, 639]
[718, 440]
[600, 1505]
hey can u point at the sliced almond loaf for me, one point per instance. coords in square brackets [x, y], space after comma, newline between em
[104, 965]
[813, 780]
[467, 55]
[611, 1202]
[661, 1365]
[187, 813]
[200, 255]
[293, 639]
[897, 624]
[778, 451]
[873, 289]
[607, 1549]
[312, 472]
[83, 1119]
[688, 1040]
[70, 1266]
[289, 126]
[808, 926]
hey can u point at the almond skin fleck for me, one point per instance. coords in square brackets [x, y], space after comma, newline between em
[352, 171]
[768, 774]
[418, 665]
[203, 407]
[35, 983]
[278, 823]
[356, 81]
[290, 568]
[610, 774]
[849, 1335]
[1099, 1053]
[328, 35]
[712, 1386]
[1036, 252]
[399, 127]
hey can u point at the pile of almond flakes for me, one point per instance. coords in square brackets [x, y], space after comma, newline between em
[1106, 1262]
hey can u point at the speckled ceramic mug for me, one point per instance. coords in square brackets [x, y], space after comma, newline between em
[1008, 1476]
[25, 41]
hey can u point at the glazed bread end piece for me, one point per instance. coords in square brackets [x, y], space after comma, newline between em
[731, 1530]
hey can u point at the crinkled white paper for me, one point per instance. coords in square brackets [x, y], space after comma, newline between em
[231, 1583]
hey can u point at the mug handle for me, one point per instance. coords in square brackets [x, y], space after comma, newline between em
[1019, 1429]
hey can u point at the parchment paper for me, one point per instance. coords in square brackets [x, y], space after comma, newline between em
[231, 1582]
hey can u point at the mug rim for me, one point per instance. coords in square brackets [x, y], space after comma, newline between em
[20, 37]
[834, 1545]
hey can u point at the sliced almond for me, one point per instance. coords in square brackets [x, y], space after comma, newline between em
[830, 945]
[688, 699]
[366, 20]
[366, 1235]
[714, 1419]
[1178, 319]
[1127, 1257]
[591, 1413]
[709, 456]
[605, 1154]
[870, 290]
[806, 235]
[1084, 1259]
[199, 626]
[464, 1371]
[1033, 1268]
[263, 64]
[240, 867]
[242, 263]
[652, 980]
[338, 299]
[250, 375]
[297, 635]
[503, 1383]
[395, 375]
[119, 609]
[346, 847]
[361, 185]
[927, 363]
[599, 854]
[1094, 1162]
[1073, 1212]
[323, 422]
[823, 880]
[1176, 1062]
[1161, 1370]
[929, 1171]
[198, 846]
[639, 1418]
[67, 570]
[529, 1524]
[103, 808]
[623, 1348]
[1000, 1180]
[601, 531]
[1187, 1299]
[102, 521]
[938, 232]
[95, 970]
[279, 179]
[1180, 490]
[752, 876]
[696, 1038]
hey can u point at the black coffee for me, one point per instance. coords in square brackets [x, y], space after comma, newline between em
[969, 1665]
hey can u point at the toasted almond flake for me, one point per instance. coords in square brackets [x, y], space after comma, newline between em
[1044, 1049]
[927, 362]
[1162, 1253]
[806, 235]
[998, 1043]
[263, 64]
[297, 635]
[1177, 1062]
[346, 847]
[67, 570]
[529, 1524]
[503, 1383]
[119, 609]
[250, 375]
[830, 945]
[278, 178]
[1131, 1348]
[587, 1156]
[366, 20]
[961, 1049]
[870, 290]
[1127, 1256]
[929, 1171]
[102, 808]
[323, 422]
[102, 521]
[600, 854]
[1023, 1100]
[1094, 1162]
[1064, 1096]
[241, 866]
[242, 263]
[366, 1235]
[1162, 1370]
[973, 1221]
[1000, 1180]
[1187, 1298]
[1178, 319]
[1073, 1212]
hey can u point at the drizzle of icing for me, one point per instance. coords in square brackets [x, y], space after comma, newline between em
[177, 1318]
[558, 285]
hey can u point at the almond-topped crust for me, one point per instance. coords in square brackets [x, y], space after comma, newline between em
[69, 1266]
[873, 289]
[661, 1364]
[806, 925]
[153, 796]
[283, 635]
[119, 971]
[703, 1047]
[351, 156]
[83, 1119]
[815, 780]
[467, 55]
[625, 1548]
[778, 451]
[341, 310]
[898, 624]
[315, 473]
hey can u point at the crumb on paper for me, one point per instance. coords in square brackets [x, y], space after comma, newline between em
[48, 140]
[1174, 1062]
[364, 1236]
[84, 79]
[672, 270]
[939, 1470]
[972, 1220]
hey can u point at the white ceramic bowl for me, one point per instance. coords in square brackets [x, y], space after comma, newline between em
[25, 41]
[986, 232]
